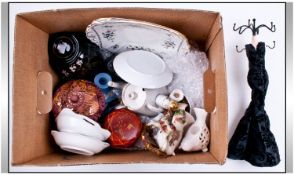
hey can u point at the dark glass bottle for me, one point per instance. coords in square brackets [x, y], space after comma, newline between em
[73, 56]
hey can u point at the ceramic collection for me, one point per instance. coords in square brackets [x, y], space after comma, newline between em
[125, 102]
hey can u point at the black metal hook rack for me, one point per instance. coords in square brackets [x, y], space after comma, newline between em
[255, 31]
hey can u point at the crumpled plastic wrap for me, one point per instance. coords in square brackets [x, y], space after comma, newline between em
[188, 75]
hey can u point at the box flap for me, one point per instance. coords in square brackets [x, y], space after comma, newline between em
[218, 121]
[120, 157]
[79, 19]
[215, 29]
[30, 130]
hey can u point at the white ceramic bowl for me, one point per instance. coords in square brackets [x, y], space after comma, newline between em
[142, 68]
[69, 121]
[77, 143]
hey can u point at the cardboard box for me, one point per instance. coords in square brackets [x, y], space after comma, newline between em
[32, 143]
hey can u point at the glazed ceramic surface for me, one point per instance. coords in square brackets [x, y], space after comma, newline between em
[69, 121]
[139, 99]
[77, 143]
[197, 136]
[83, 97]
[170, 128]
[118, 35]
[125, 127]
[143, 69]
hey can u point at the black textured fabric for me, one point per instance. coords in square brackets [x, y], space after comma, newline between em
[253, 141]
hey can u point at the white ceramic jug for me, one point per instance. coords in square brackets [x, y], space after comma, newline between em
[197, 136]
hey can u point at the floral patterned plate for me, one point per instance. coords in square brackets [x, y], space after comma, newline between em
[118, 35]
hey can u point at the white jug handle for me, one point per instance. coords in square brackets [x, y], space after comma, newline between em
[153, 108]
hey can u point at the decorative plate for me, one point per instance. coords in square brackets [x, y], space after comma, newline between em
[143, 69]
[118, 35]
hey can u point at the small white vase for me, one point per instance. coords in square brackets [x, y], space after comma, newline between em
[197, 136]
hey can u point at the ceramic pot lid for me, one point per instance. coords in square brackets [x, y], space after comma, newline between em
[143, 69]
[133, 97]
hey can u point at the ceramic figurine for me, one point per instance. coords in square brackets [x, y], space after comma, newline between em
[81, 96]
[197, 137]
[73, 56]
[125, 127]
[166, 103]
[169, 128]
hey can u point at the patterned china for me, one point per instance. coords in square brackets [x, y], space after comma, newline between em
[118, 35]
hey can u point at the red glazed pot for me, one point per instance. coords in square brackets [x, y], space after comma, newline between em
[83, 97]
[125, 127]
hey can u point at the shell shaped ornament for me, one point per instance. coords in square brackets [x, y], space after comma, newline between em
[81, 96]
[197, 136]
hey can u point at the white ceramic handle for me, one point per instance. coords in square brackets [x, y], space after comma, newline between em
[153, 108]
[116, 85]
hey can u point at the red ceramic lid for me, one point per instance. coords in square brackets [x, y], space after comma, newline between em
[125, 127]
[82, 96]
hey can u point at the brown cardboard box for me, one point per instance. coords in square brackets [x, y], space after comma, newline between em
[32, 143]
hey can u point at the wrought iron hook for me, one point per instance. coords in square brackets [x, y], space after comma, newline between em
[252, 26]
[243, 27]
[239, 51]
[273, 45]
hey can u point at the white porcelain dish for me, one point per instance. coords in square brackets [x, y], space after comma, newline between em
[77, 143]
[118, 35]
[69, 121]
[143, 69]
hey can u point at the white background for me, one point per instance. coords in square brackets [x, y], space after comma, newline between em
[237, 69]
